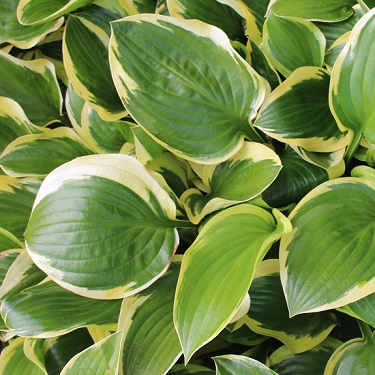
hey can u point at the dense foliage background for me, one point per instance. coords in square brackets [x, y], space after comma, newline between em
[187, 187]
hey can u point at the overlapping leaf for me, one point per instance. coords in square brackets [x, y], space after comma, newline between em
[217, 271]
[292, 43]
[183, 82]
[241, 178]
[124, 226]
[240, 365]
[327, 261]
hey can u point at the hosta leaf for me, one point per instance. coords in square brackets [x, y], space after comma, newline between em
[242, 335]
[16, 200]
[139, 6]
[151, 343]
[74, 107]
[8, 241]
[259, 61]
[356, 356]
[297, 112]
[7, 257]
[223, 257]
[59, 350]
[240, 365]
[241, 178]
[320, 10]
[334, 51]
[34, 351]
[39, 154]
[124, 226]
[363, 309]
[292, 43]
[40, 98]
[295, 180]
[39, 11]
[176, 78]
[190, 369]
[103, 136]
[212, 12]
[311, 362]
[22, 274]
[14, 361]
[13, 122]
[101, 358]
[21, 36]
[269, 313]
[85, 49]
[255, 17]
[352, 94]
[33, 312]
[327, 261]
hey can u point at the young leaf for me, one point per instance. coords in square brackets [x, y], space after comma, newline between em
[240, 365]
[352, 95]
[85, 51]
[31, 12]
[14, 361]
[217, 271]
[241, 178]
[176, 78]
[268, 314]
[101, 358]
[328, 260]
[292, 43]
[39, 154]
[19, 35]
[33, 312]
[319, 10]
[151, 343]
[124, 226]
[41, 98]
[354, 356]
[297, 113]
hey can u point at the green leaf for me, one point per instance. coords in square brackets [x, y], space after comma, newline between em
[212, 12]
[101, 358]
[223, 258]
[352, 95]
[356, 356]
[40, 98]
[319, 10]
[363, 309]
[240, 365]
[151, 344]
[123, 222]
[22, 274]
[311, 362]
[239, 179]
[59, 350]
[34, 351]
[185, 99]
[33, 312]
[139, 6]
[292, 43]
[13, 122]
[22, 36]
[16, 200]
[8, 241]
[31, 12]
[328, 260]
[85, 51]
[14, 361]
[7, 258]
[39, 154]
[295, 180]
[269, 313]
[190, 369]
[297, 112]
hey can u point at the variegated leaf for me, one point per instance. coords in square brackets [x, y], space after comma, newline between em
[240, 365]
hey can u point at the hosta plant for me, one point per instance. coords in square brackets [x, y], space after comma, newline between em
[187, 187]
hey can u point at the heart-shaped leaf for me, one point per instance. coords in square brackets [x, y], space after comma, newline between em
[124, 226]
[185, 99]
